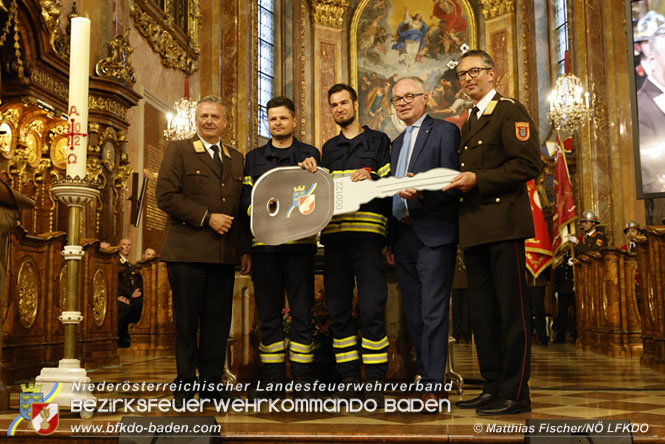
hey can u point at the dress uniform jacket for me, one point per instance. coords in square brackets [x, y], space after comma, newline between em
[591, 242]
[501, 147]
[189, 184]
[498, 207]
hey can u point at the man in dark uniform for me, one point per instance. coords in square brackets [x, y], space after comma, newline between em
[288, 267]
[130, 294]
[353, 246]
[198, 187]
[631, 230]
[564, 281]
[498, 153]
[593, 240]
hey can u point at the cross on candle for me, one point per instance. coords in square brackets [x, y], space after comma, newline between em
[74, 139]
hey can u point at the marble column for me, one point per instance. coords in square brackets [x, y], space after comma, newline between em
[327, 31]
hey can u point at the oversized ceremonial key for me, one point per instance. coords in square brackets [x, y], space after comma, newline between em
[290, 203]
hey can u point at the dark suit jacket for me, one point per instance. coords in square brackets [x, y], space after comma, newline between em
[651, 117]
[434, 216]
[652, 131]
[189, 183]
[498, 209]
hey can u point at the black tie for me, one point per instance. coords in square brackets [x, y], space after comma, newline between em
[471, 120]
[474, 114]
[216, 158]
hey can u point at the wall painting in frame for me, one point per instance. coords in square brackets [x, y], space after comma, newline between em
[396, 38]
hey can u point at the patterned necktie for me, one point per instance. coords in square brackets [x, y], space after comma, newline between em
[399, 204]
[216, 158]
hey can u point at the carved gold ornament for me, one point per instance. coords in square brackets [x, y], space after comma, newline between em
[50, 83]
[33, 148]
[117, 65]
[7, 140]
[28, 294]
[51, 18]
[110, 105]
[108, 154]
[162, 39]
[100, 297]
[495, 8]
[329, 12]
[59, 152]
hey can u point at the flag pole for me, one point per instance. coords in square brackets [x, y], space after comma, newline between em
[565, 163]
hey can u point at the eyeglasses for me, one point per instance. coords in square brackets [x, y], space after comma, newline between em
[473, 73]
[408, 98]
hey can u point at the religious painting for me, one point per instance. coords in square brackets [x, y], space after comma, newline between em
[647, 38]
[396, 38]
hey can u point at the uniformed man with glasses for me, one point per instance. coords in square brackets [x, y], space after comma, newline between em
[499, 153]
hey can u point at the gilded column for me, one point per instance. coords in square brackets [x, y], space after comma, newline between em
[327, 16]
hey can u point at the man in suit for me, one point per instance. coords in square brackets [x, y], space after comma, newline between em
[651, 114]
[498, 154]
[424, 241]
[198, 187]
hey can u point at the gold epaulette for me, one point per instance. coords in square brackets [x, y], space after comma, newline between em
[490, 108]
[226, 148]
[507, 99]
[198, 146]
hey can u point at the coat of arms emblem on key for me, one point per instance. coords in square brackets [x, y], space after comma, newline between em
[289, 203]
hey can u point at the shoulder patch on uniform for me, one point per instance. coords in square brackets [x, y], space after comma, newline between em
[599, 242]
[507, 99]
[198, 146]
[522, 131]
[490, 108]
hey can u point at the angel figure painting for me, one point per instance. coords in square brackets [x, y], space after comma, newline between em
[396, 38]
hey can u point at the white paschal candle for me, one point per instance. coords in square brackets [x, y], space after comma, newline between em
[79, 66]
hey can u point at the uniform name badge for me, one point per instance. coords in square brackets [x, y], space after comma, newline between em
[522, 131]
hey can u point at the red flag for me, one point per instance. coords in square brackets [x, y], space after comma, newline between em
[539, 248]
[565, 212]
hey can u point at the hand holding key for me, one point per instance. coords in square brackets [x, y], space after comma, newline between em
[464, 182]
[308, 164]
[410, 193]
